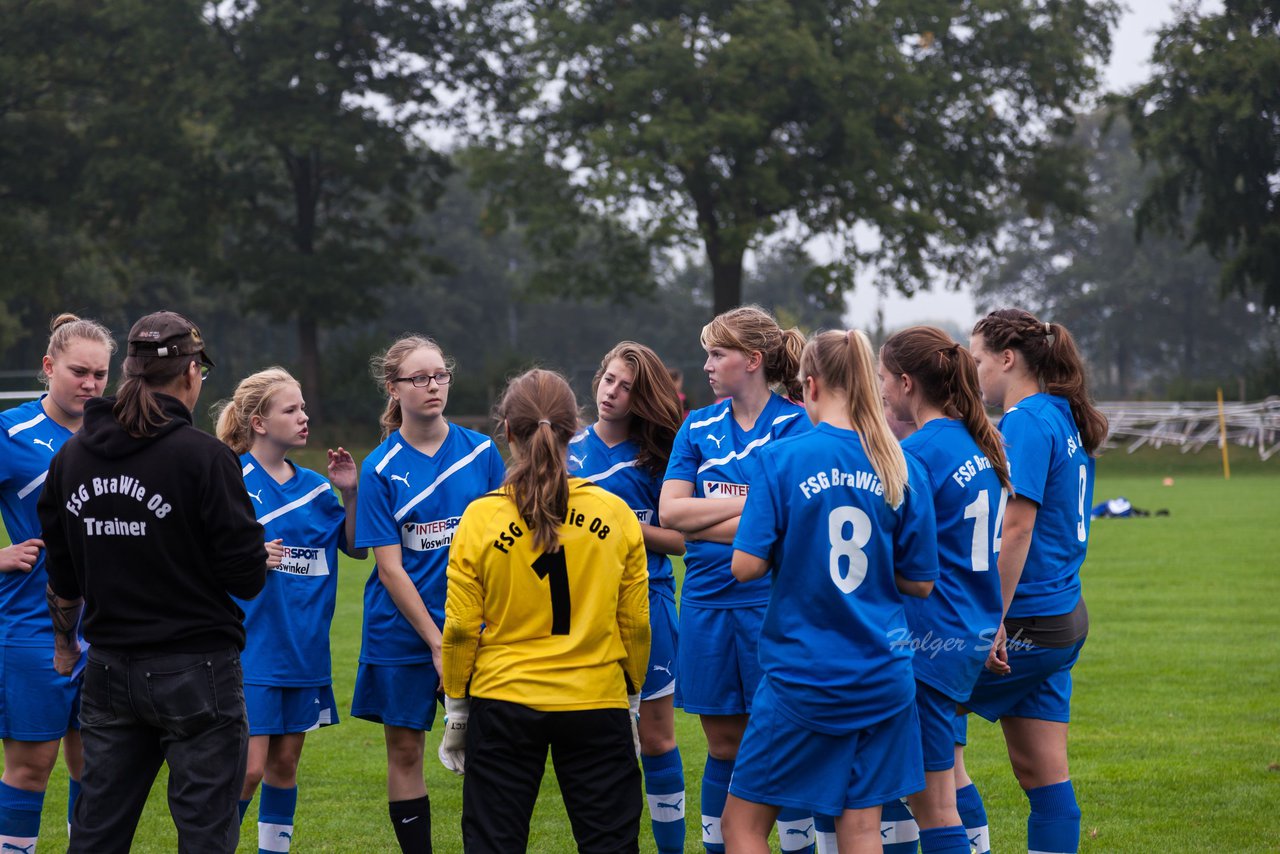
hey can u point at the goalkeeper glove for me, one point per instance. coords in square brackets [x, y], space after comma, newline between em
[453, 747]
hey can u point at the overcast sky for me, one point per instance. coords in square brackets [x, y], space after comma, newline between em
[1130, 53]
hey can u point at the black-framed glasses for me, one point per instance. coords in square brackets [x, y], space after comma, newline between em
[424, 380]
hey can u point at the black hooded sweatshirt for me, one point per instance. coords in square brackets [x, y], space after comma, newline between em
[153, 533]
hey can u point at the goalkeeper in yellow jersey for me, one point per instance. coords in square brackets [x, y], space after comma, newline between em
[546, 639]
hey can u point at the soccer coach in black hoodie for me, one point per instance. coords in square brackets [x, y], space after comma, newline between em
[148, 528]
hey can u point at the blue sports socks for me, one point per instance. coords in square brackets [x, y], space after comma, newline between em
[275, 818]
[1054, 824]
[664, 789]
[73, 795]
[20, 818]
[944, 840]
[974, 816]
[898, 831]
[824, 827]
[715, 788]
[795, 831]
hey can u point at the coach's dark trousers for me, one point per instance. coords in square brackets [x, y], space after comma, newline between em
[138, 711]
[595, 764]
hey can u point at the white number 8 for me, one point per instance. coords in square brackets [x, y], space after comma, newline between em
[849, 547]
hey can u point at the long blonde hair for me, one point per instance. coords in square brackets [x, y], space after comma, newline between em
[252, 397]
[751, 329]
[541, 416]
[385, 368]
[844, 362]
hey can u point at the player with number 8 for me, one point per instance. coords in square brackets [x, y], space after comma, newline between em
[929, 380]
[1033, 371]
[546, 636]
[845, 523]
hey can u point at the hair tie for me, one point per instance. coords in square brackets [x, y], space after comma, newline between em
[1048, 329]
[544, 421]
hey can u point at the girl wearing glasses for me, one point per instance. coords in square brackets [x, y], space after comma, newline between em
[413, 489]
[288, 674]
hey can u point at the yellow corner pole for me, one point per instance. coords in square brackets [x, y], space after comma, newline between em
[1222, 433]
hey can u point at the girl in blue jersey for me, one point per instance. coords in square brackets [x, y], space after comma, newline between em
[847, 525]
[1033, 371]
[413, 489]
[288, 676]
[39, 707]
[932, 382]
[626, 452]
[712, 463]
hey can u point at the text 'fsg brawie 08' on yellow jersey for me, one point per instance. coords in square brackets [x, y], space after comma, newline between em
[563, 631]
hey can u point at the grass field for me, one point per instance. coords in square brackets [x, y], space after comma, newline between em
[1175, 742]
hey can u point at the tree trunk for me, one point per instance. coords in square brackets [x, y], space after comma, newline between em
[726, 282]
[309, 359]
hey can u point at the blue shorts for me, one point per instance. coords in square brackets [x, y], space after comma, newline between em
[719, 659]
[1038, 686]
[274, 710]
[960, 729]
[401, 695]
[661, 679]
[783, 764]
[36, 704]
[937, 727]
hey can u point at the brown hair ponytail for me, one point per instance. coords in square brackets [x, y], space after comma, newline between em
[541, 416]
[1051, 354]
[751, 329]
[947, 377]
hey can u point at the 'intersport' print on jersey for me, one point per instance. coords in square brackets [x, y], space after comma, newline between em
[1049, 465]
[616, 470]
[951, 631]
[717, 456]
[28, 441]
[413, 500]
[825, 645]
[287, 624]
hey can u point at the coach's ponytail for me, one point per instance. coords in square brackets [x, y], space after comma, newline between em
[540, 414]
[750, 329]
[386, 368]
[844, 362]
[1051, 354]
[234, 417]
[947, 378]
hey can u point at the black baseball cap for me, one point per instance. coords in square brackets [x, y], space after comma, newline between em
[167, 333]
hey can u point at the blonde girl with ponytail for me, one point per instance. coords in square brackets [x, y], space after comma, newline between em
[288, 673]
[413, 489]
[546, 639]
[840, 517]
[711, 468]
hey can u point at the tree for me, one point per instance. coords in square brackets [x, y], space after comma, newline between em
[723, 122]
[1141, 312]
[317, 104]
[1209, 120]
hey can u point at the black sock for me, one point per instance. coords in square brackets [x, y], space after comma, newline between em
[412, 823]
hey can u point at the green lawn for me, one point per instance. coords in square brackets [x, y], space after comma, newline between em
[1176, 737]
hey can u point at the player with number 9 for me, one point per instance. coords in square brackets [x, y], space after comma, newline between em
[546, 639]
[847, 526]
[929, 380]
[1033, 371]
[413, 489]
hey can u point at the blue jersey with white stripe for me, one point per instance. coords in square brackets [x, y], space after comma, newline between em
[616, 470]
[30, 439]
[1049, 465]
[287, 624]
[719, 458]
[951, 630]
[817, 512]
[415, 501]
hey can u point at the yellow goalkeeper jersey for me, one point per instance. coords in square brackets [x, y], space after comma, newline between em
[562, 631]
